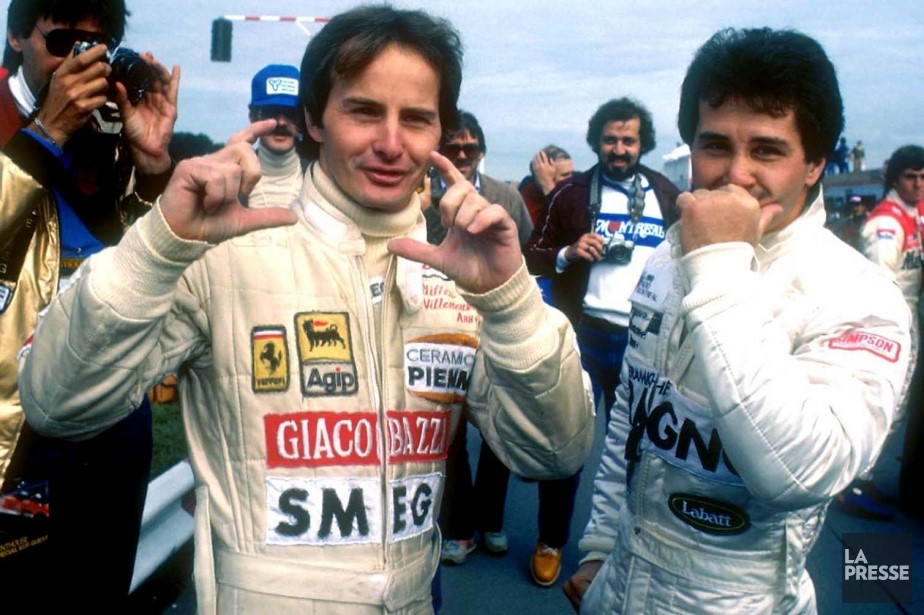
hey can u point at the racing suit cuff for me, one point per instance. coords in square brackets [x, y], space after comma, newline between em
[715, 270]
[593, 556]
[513, 314]
[145, 266]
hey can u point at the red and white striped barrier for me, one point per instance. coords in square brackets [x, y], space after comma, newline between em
[276, 18]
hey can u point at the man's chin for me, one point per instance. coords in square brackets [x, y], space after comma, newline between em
[620, 173]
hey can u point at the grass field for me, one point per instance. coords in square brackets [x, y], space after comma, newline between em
[169, 439]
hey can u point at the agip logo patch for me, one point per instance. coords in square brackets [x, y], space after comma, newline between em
[325, 354]
[270, 359]
[438, 366]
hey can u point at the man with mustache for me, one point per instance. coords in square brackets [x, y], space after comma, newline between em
[274, 96]
[766, 357]
[600, 229]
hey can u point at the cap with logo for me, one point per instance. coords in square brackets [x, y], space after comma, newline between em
[275, 85]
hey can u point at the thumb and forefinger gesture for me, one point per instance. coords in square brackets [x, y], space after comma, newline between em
[202, 201]
[481, 250]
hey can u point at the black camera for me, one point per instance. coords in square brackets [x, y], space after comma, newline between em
[128, 68]
[619, 250]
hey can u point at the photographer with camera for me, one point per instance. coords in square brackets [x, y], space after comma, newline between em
[84, 129]
[601, 227]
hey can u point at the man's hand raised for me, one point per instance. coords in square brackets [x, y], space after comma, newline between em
[148, 127]
[202, 200]
[726, 214]
[481, 250]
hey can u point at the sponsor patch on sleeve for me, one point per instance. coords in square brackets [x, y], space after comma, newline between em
[870, 342]
[270, 359]
[885, 233]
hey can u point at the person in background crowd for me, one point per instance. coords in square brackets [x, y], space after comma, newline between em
[601, 225]
[467, 507]
[274, 96]
[325, 351]
[464, 144]
[858, 154]
[891, 238]
[751, 331]
[549, 166]
[84, 152]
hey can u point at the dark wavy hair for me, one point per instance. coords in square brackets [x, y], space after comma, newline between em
[466, 122]
[347, 44]
[621, 110]
[772, 71]
[904, 158]
[22, 15]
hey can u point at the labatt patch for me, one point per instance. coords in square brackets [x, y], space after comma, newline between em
[325, 354]
[438, 367]
[270, 359]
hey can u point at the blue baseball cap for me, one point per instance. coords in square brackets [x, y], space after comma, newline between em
[275, 85]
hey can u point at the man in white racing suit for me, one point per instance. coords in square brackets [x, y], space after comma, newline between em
[765, 356]
[324, 351]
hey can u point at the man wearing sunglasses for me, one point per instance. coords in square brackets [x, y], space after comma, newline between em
[465, 145]
[83, 163]
[274, 96]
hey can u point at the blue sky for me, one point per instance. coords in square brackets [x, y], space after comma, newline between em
[535, 72]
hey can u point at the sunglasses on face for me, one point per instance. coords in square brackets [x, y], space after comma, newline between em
[60, 41]
[272, 113]
[452, 150]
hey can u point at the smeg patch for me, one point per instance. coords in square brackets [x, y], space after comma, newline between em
[270, 359]
[325, 354]
[438, 367]
[709, 515]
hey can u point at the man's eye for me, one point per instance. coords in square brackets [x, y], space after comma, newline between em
[767, 152]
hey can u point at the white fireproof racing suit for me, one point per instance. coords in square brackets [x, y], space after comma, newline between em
[318, 445]
[757, 383]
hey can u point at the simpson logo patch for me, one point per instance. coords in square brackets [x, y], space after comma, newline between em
[708, 515]
[315, 439]
[438, 366]
[270, 359]
[876, 344]
[325, 354]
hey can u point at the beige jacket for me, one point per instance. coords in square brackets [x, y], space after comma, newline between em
[318, 448]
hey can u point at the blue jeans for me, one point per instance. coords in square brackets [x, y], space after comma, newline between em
[601, 356]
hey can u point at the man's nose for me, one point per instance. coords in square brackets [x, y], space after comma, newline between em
[388, 141]
[740, 171]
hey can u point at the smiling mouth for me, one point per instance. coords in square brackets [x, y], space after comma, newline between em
[385, 177]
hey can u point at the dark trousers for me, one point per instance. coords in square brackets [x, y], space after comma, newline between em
[467, 507]
[602, 351]
[95, 493]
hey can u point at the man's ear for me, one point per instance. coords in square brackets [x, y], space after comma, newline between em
[313, 131]
[815, 168]
[13, 41]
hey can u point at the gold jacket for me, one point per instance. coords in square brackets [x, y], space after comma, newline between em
[21, 194]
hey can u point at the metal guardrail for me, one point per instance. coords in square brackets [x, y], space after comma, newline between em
[165, 525]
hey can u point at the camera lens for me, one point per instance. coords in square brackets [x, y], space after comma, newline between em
[130, 69]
